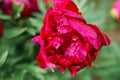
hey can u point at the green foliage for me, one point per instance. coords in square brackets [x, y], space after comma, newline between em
[17, 9]
[4, 17]
[17, 53]
[13, 32]
[3, 58]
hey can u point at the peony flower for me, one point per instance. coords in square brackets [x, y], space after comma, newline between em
[67, 40]
[1, 29]
[115, 10]
[29, 6]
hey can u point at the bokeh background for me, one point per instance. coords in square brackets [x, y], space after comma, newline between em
[18, 54]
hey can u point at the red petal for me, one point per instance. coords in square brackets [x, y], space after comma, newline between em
[72, 14]
[58, 3]
[89, 60]
[77, 60]
[42, 58]
[7, 7]
[72, 6]
[41, 61]
[1, 28]
[86, 31]
[63, 61]
[76, 49]
[67, 4]
[34, 5]
[36, 39]
[61, 68]
[73, 70]
[104, 39]
[51, 59]
[88, 46]
[83, 29]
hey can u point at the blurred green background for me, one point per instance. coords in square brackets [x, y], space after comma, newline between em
[18, 54]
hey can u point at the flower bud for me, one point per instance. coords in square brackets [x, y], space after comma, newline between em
[29, 6]
[115, 10]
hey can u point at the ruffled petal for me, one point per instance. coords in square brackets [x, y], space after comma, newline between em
[86, 31]
[36, 39]
[103, 38]
[65, 4]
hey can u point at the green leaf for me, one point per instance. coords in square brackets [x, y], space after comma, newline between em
[12, 61]
[108, 60]
[3, 58]
[37, 23]
[31, 31]
[5, 17]
[85, 74]
[13, 32]
[17, 10]
[1, 0]
[80, 3]
[18, 74]
[42, 6]
[36, 72]
[33, 70]
[36, 69]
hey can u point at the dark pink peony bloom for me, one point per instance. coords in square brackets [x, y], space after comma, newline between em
[115, 11]
[67, 40]
[34, 5]
[1, 28]
[29, 6]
